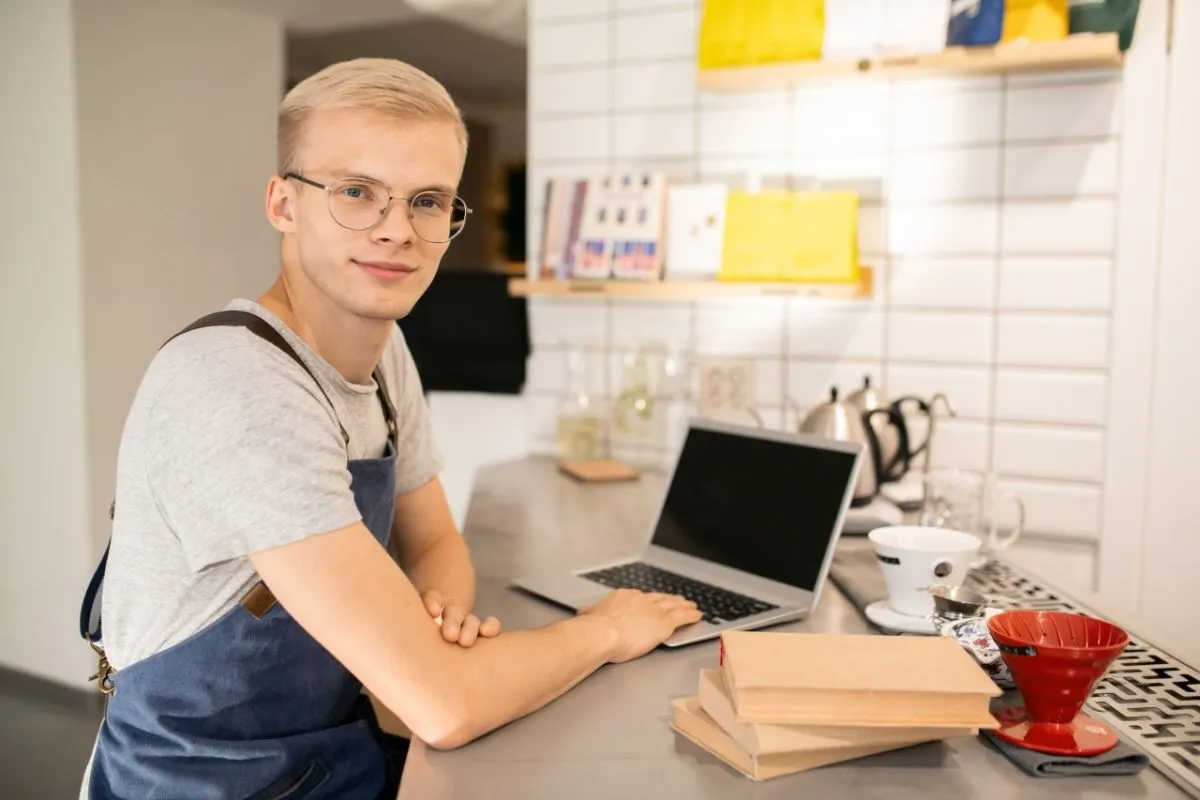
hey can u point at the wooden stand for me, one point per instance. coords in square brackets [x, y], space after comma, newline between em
[598, 471]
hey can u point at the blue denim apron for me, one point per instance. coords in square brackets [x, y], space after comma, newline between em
[251, 707]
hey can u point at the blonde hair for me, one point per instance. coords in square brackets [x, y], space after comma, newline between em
[385, 85]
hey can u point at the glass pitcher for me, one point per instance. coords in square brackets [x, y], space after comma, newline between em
[972, 502]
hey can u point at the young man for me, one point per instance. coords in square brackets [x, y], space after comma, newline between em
[273, 457]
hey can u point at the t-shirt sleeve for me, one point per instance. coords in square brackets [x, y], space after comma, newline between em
[245, 455]
[418, 459]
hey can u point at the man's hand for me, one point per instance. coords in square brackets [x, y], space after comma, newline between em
[458, 624]
[643, 620]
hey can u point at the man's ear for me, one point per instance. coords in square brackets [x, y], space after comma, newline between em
[280, 205]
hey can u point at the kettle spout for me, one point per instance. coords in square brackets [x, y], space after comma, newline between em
[933, 403]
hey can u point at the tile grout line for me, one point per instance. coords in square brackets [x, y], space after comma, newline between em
[913, 149]
[1105, 443]
[994, 370]
[785, 364]
[1059, 425]
[532, 268]
[915, 84]
[1060, 369]
[1156, 304]
[885, 365]
[693, 377]
[610, 68]
[1015, 311]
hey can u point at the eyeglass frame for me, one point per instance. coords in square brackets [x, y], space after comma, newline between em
[328, 189]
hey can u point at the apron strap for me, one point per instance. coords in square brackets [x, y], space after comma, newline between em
[263, 330]
[389, 408]
[89, 614]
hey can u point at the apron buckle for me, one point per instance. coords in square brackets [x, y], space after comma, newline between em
[104, 670]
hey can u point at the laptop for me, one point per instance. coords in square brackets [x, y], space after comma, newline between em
[747, 530]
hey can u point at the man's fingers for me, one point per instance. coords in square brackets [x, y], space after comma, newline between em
[684, 615]
[452, 619]
[489, 627]
[433, 602]
[469, 630]
[673, 600]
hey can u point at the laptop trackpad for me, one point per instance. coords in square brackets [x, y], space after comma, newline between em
[565, 588]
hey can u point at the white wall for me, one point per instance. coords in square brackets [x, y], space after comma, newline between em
[1169, 558]
[473, 430]
[999, 213]
[141, 145]
[43, 448]
[177, 140]
[508, 122]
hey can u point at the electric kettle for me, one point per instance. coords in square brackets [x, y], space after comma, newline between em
[890, 425]
[846, 422]
[869, 398]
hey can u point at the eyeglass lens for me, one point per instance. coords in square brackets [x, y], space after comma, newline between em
[435, 216]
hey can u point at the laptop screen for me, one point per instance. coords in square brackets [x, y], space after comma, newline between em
[762, 506]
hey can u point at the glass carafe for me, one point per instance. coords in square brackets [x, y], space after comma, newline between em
[638, 414]
[580, 419]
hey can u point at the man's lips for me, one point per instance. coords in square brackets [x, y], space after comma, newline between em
[385, 269]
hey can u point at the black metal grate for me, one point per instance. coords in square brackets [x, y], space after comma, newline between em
[1152, 698]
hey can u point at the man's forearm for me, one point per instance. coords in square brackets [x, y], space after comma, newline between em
[446, 567]
[347, 593]
[520, 671]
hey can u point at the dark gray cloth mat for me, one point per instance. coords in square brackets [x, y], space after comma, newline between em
[861, 526]
[855, 571]
[1121, 760]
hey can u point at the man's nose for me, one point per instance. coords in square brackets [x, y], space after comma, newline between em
[395, 225]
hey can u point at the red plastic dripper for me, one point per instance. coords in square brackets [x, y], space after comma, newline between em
[1056, 658]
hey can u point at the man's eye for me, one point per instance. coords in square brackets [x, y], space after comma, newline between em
[356, 192]
[431, 202]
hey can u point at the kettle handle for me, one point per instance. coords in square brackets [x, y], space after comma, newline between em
[922, 408]
[894, 469]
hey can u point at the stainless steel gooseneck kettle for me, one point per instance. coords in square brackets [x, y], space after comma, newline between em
[845, 421]
[836, 419]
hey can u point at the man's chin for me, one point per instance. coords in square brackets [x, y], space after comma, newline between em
[392, 312]
[391, 308]
[369, 300]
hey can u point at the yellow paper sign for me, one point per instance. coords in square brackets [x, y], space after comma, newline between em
[779, 235]
[736, 33]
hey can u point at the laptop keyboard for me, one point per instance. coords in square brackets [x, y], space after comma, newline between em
[716, 604]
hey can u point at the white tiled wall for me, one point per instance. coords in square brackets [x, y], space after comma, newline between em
[989, 210]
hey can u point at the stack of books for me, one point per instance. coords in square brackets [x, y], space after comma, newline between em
[781, 703]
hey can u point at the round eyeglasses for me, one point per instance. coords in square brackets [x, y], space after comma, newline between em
[360, 204]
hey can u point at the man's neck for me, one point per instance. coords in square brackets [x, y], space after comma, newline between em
[352, 345]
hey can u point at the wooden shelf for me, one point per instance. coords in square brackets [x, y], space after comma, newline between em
[691, 290]
[1081, 51]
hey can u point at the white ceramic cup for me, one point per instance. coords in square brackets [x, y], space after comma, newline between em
[913, 558]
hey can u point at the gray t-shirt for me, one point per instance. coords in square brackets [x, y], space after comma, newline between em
[230, 448]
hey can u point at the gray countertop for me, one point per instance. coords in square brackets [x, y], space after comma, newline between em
[608, 737]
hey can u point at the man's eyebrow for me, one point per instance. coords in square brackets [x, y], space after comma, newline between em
[342, 174]
[435, 188]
